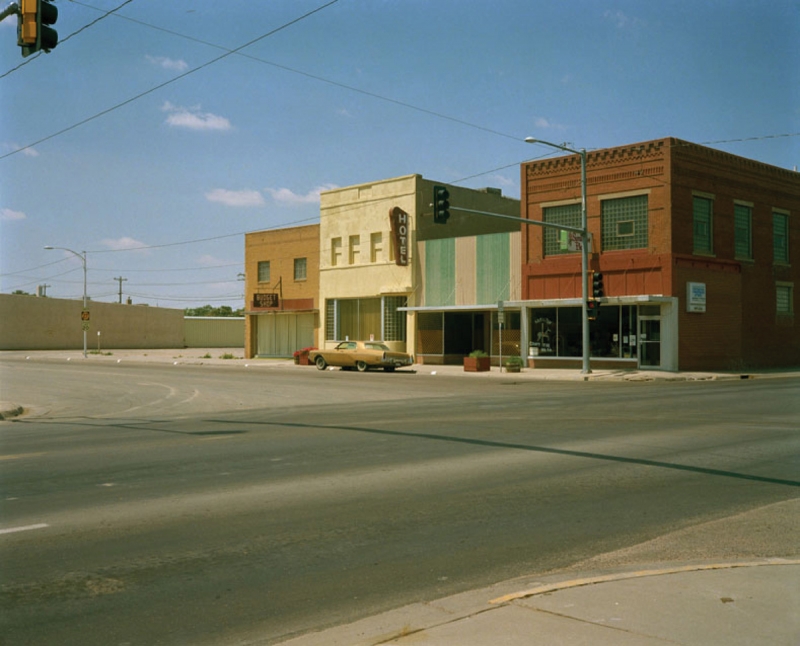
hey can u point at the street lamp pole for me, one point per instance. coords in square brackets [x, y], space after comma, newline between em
[585, 369]
[82, 256]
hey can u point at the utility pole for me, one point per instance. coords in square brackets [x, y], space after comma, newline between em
[120, 279]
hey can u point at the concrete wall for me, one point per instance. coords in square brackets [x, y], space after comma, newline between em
[31, 323]
[213, 332]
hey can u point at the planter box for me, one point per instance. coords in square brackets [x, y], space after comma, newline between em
[477, 364]
[513, 368]
[303, 360]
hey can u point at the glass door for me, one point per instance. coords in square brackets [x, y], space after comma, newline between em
[649, 342]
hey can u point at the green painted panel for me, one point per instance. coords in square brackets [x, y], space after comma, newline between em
[440, 272]
[493, 267]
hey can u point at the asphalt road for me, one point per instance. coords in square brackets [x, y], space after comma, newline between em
[158, 504]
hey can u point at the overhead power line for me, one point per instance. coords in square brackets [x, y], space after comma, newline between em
[227, 53]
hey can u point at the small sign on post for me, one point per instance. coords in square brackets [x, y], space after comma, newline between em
[84, 315]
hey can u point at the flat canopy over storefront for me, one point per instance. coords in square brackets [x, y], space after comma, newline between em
[552, 302]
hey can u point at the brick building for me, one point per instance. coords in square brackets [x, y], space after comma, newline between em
[281, 291]
[697, 250]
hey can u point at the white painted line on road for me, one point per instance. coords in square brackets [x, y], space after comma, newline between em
[26, 528]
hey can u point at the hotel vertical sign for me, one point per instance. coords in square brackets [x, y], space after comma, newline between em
[399, 220]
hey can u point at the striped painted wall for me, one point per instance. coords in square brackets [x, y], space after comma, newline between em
[477, 270]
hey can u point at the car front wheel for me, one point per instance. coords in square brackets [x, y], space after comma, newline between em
[320, 363]
[361, 366]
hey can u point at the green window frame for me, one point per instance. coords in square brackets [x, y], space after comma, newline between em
[784, 298]
[555, 240]
[703, 224]
[780, 238]
[743, 231]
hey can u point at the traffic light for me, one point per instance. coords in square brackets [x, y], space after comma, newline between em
[597, 285]
[441, 204]
[592, 309]
[34, 31]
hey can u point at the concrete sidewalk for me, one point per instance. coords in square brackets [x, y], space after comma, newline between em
[234, 357]
[715, 604]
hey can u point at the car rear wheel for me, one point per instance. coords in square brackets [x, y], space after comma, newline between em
[320, 363]
[361, 366]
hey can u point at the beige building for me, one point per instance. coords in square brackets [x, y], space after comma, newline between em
[281, 291]
[383, 260]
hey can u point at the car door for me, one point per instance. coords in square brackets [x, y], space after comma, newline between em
[343, 354]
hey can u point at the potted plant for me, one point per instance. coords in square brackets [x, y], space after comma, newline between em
[514, 363]
[301, 356]
[477, 361]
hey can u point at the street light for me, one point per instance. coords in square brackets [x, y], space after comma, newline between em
[82, 256]
[586, 369]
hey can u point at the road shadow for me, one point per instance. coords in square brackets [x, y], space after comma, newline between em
[540, 449]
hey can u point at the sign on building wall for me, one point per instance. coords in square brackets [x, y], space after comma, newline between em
[265, 300]
[695, 297]
[399, 222]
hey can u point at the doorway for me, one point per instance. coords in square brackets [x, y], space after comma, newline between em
[649, 336]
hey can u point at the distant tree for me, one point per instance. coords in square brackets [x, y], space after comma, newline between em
[209, 310]
[21, 292]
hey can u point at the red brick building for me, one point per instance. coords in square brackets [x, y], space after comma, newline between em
[698, 250]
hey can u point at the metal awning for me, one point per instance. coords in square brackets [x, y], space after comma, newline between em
[637, 299]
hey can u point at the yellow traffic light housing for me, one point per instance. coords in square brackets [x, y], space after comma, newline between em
[34, 31]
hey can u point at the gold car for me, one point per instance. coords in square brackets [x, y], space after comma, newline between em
[361, 355]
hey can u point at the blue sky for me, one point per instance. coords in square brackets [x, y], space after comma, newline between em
[142, 142]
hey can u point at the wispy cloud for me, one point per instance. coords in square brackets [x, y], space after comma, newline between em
[175, 65]
[288, 196]
[193, 118]
[124, 243]
[10, 214]
[622, 20]
[28, 152]
[547, 124]
[245, 198]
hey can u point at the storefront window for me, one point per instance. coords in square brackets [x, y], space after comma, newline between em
[511, 334]
[558, 332]
[570, 332]
[360, 319]
[543, 333]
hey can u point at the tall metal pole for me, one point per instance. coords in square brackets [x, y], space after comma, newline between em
[82, 256]
[584, 233]
[586, 367]
[85, 330]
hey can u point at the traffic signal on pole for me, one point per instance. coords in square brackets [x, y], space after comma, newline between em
[597, 285]
[441, 204]
[34, 32]
[592, 309]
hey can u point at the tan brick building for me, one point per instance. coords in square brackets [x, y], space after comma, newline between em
[699, 253]
[281, 291]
